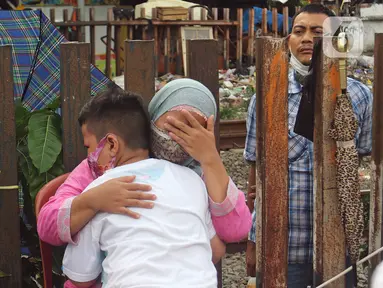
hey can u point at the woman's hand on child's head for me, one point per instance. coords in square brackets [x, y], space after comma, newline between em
[198, 141]
[114, 196]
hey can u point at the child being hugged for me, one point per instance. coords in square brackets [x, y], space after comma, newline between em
[174, 244]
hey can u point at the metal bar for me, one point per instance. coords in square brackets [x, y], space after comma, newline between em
[376, 195]
[144, 23]
[239, 37]
[203, 67]
[329, 239]
[109, 44]
[226, 17]
[139, 68]
[10, 260]
[272, 162]
[74, 92]
[250, 44]
[92, 37]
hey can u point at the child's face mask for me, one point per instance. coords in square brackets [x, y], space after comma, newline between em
[164, 147]
[97, 168]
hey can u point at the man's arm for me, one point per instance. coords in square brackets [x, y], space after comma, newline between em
[251, 187]
[218, 248]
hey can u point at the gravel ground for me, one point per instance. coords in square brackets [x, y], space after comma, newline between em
[234, 266]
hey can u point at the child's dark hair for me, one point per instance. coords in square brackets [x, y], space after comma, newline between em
[120, 112]
[314, 9]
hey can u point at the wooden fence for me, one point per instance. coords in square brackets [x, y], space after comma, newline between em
[272, 151]
[234, 44]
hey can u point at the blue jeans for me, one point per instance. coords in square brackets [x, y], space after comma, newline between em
[299, 275]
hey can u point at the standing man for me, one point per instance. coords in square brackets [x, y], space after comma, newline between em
[307, 24]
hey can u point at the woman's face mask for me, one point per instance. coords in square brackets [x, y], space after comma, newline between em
[163, 147]
[97, 168]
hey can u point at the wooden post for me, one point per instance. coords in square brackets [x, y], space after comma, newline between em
[109, 43]
[140, 67]
[272, 162]
[329, 239]
[274, 14]
[264, 22]
[376, 195]
[285, 21]
[10, 258]
[74, 92]
[226, 17]
[168, 45]
[52, 16]
[239, 37]
[117, 48]
[250, 47]
[92, 30]
[65, 19]
[203, 67]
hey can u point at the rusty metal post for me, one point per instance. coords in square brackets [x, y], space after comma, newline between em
[140, 68]
[203, 67]
[74, 92]
[272, 162]
[376, 195]
[329, 239]
[10, 260]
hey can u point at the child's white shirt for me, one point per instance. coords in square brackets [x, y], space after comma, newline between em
[168, 246]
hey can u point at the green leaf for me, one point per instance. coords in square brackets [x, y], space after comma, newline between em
[25, 162]
[3, 274]
[37, 181]
[22, 116]
[54, 105]
[44, 139]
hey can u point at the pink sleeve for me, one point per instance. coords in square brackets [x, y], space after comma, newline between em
[232, 217]
[69, 284]
[53, 223]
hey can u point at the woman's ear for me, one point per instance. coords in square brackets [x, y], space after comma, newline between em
[113, 145]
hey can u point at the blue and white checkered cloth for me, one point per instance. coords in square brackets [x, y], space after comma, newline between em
[301, 164]
[36, 57]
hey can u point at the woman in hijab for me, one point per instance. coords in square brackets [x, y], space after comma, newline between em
[183, 113]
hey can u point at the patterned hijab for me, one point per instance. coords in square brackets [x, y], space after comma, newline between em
[185, 94]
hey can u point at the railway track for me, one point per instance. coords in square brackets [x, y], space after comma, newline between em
[232, 134]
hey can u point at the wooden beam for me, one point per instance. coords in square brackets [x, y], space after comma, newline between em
[92, 30]
[250, 46]
[226, 17]
[239, 37]
[329, 239]
[108, 61]
[10, 258]
[203, 67]
[74, 92]
[140, 68]
[376, 195]
[271, 162]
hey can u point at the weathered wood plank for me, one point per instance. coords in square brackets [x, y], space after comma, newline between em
[140, 68]
[250, 45]
[74, 92]
[203, 67]
[10, 259]
[376, 195]
[272, 162]
[239, 36]
[329, 239]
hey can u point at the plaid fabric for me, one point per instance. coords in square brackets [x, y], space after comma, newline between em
[301, 164]
[36, 47]
[21, 29]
